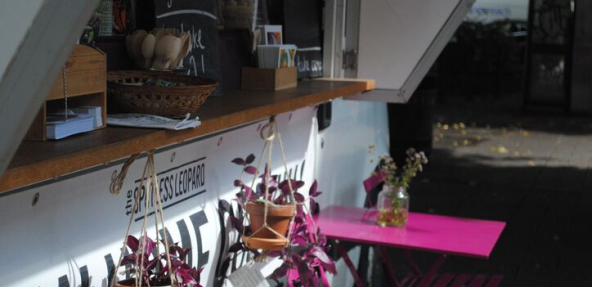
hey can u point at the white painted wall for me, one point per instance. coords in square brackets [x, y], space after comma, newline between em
[15, 20]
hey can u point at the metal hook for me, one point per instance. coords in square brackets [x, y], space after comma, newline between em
[270, 126]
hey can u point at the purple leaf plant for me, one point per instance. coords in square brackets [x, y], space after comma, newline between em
[155, 271]
[305, 260]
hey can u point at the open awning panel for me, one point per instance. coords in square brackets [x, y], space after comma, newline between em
[399, 40]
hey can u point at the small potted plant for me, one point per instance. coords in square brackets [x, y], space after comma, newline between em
[304, 254]
[151, 270]
[271, 212]
[393, 200]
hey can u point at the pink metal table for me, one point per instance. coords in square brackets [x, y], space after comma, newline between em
[425, 232]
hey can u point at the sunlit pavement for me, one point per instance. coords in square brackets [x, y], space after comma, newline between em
[531, 170]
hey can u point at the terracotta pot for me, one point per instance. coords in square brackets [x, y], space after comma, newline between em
[278, 218]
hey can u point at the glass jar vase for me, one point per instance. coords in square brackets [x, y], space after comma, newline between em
[393, 206]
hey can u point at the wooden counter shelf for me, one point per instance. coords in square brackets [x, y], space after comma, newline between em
[39, 161]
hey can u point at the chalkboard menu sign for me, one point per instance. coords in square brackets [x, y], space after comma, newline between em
[302, 27]
[200, 18]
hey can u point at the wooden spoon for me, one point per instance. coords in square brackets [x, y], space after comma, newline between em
[174, 52]
[159, 33]
[185, 48]
[130, 44]
[148, 46]
[167, 48]
[137, 47]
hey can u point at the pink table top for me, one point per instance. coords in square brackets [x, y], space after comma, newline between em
[426, 232]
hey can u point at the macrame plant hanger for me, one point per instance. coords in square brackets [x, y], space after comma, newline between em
[152, 192]
[272, 131]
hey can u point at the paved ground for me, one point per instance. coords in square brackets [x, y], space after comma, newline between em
[532, 170]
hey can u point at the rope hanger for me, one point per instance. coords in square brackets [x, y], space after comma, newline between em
[149, 177]
[272, 131]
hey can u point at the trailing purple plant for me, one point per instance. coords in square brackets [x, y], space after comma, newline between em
[154, 269]
[278, 192]
[305, 259]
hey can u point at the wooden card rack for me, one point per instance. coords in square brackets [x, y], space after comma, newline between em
[86, 81]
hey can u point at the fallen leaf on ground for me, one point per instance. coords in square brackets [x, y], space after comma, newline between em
[499, 149]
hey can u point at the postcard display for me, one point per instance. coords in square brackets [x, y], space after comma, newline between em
[73, 233]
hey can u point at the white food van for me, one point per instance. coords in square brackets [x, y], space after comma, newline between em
[67, 229]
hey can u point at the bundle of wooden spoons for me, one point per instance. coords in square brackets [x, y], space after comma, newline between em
[160, 49]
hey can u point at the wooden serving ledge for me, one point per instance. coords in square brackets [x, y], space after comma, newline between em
[39, 161]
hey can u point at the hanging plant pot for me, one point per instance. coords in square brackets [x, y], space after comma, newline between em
[145, 259]
[278, 219]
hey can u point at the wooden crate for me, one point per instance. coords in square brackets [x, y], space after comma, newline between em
[269, 79]
[86, 75]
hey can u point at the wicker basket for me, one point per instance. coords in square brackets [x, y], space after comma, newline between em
[185, 95]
